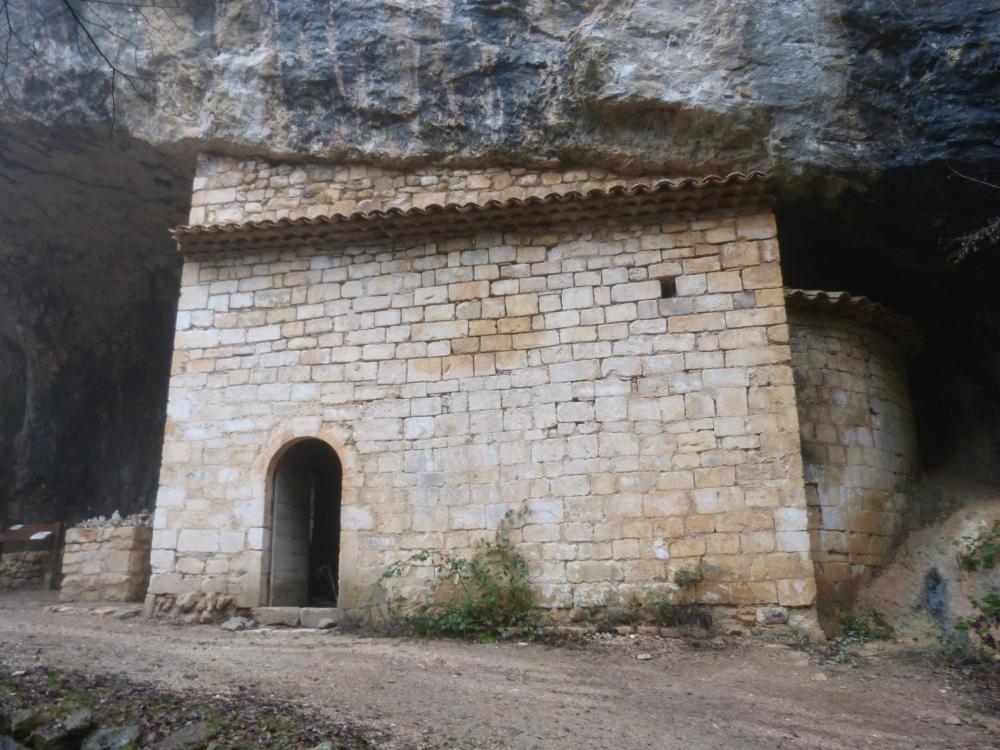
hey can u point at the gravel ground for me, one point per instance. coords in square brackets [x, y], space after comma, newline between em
[448, 694]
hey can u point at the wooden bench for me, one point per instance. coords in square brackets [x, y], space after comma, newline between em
[48, 534]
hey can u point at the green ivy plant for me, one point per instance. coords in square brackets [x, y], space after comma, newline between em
[864, 626]
[984, 628]
[664, 608]
[980, 552]
[688, 578]
[481, 597]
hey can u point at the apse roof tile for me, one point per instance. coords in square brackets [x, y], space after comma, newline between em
[844, 304]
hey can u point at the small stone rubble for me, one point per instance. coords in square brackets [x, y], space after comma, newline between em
[235, 624]
[126, 612]
[116, 738]
[117, 520]
[192, 607]
[55, 710]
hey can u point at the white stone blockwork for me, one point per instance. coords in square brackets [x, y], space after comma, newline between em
[859, 444]
[627, 384]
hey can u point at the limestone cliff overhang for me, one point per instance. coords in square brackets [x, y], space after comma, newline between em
[395, 225]
[858, 308]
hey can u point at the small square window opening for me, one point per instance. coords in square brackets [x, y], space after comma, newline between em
[668, 287]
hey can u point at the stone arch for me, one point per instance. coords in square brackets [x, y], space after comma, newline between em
[303, 509]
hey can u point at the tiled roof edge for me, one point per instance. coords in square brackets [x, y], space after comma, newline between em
[195, 234]
[857, 307]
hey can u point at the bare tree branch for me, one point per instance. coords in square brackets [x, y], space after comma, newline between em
[159, 4]
[87, 28]
[84, 27]
[12, 35]
[975, 241]
[972, 242]
[100, 33]
[973, 179]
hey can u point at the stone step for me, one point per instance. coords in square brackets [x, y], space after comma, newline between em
[304, 617]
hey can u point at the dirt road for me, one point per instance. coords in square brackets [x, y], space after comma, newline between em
[446, 694]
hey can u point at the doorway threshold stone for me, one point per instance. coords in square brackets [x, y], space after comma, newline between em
[277, 615]
[306, 617]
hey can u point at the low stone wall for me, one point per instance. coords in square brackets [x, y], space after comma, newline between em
[106, 564]
[23, 568]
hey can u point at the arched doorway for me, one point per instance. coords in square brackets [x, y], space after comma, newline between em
[305, 526]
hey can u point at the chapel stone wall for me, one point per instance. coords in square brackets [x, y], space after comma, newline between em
[643, 426]
[859, 445]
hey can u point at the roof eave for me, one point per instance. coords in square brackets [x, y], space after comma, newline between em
[435, 221]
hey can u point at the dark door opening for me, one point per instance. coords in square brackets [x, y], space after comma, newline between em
[305, 527]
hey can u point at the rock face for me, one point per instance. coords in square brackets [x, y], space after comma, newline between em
[924, 590]
[695, 85]
[836, 96]
[88, 283]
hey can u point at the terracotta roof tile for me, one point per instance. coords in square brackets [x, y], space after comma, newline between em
[416, 224]
[856, 307]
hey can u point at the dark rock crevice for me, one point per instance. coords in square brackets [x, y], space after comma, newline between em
[14, 379]
[88, 280]
[924, 78]
[893, 241]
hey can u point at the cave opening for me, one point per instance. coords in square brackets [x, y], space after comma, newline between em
[894, 241]
[89, 279]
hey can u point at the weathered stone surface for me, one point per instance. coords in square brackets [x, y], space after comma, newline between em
[189, 604]
[191, 737]
[787, 82]
[64, 733]
[23, 568]
[114, 738]
[277, 615]
[319, 617]
[9, 743]
[638, 442]
[859, 443]
[234, 624]
[772, 615]
[26, 720]
[82, 400]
